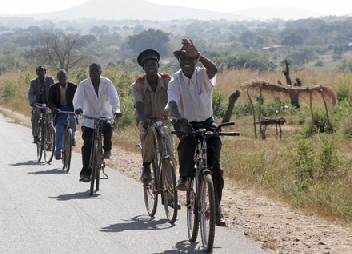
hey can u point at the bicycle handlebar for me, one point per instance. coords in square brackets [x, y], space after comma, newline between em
[99, 118]
[65, 112]
[215, 132]
[41, 106]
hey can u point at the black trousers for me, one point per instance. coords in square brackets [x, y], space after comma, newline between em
[87, 134]
[186, 150]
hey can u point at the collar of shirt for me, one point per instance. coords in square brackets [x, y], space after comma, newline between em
[159, 86]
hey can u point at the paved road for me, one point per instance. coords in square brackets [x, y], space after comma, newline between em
[43, 210]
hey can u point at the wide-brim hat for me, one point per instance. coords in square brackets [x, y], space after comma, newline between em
[148, 54]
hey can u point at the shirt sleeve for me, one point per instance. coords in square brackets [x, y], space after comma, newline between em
[209, 83]
[136, 92]
[173, 91]
[114, 98]
[78, 97]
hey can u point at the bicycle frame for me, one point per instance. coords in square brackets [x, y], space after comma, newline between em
[67, 137]
[96, 161]
[163, 166]
[44, 125]
[201, 206]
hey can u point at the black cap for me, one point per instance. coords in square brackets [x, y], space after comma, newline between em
[40, 68]
[148, 54]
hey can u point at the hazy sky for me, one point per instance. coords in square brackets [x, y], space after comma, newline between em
[336, 7]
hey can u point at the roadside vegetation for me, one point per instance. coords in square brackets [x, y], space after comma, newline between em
[309, 167]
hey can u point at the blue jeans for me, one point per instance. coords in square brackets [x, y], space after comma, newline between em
[60, 126]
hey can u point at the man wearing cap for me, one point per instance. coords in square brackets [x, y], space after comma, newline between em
[150, 98]
[38, 93]
[190, 100]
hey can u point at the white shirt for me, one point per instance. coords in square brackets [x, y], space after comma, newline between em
[192, 96]
[103, 106]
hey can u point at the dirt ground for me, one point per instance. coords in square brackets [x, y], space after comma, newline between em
[275, 224]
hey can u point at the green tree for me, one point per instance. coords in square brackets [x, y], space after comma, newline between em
[151, 38]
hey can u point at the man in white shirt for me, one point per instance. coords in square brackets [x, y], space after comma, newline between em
[95, 96]
[190, 100]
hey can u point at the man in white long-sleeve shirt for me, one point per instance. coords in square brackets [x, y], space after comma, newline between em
[96, 96]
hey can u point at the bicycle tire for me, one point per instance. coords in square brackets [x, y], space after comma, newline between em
[150, 192]
[169, 189]
[93, 165]
[207, 212]
[67, 150]
[97, 177]
[192, 212]
[49, 143]
[40, 144]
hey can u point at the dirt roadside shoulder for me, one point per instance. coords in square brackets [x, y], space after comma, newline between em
[260, 218]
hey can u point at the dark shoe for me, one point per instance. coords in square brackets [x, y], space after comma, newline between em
[58, 156]
[73, 142]
[84, 178]
[146, 175]
[107, 154]
[220, 220]
[171, 204]
[36, 140]
[182, 184]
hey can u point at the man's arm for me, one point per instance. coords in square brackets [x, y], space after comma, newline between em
[31, 94]
[174, 109]
[209, 65]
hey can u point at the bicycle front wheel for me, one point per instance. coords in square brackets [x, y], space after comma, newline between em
[151, 193]
[93, 165]
[49, 143]
[207, 212]
[169, 189]
[67, 150]
[192, 212]
[40, 144]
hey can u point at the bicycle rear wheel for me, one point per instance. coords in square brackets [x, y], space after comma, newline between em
[40, 144]
[93, 165]
[192, 212]
[150, 192]
[207, 212]
[67, 150]
[49, 143]
[169, 189]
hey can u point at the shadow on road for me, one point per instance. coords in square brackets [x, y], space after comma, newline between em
[27, 163]
[48, 172]
[77, 195]
[185, 247]
[140, 222]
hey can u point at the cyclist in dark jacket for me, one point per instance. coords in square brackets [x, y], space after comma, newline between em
[60, 97]
[38, 93]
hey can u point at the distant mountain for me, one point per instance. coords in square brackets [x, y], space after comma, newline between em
[135, 10]
[143, 10]
[267, 13]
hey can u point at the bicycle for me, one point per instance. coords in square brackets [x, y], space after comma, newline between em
[67, 142]
[200, 195]
[46, 142]
[96, 161]
[164, 178]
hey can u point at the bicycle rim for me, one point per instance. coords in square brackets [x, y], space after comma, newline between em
[169, 190]
[93, 165]
[97, 177]
[40, 145]
[49, 143]
[67, 151]
[150, 193]
[207, 212]
[192, 213]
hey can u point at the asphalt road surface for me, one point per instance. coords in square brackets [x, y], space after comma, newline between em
[44, 210]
